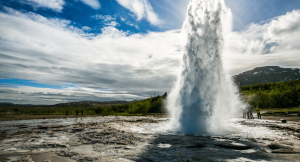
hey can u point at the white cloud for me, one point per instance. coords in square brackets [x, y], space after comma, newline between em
[112, 23]
[271, 43]
[95, 4]
[34, 95]
[55, 22]
[56, 5]
[106, 19]
[103, 17]
[52, 51]
[287, 24]
[129, 23]
[141, 9]
[284, 31]
[86, 28]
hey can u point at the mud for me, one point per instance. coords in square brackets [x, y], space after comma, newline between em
[142, 139]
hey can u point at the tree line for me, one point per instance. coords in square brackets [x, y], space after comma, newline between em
[273, 95]
[146, 106]
[141, 107]
[266, 95]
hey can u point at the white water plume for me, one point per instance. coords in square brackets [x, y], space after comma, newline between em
[204, 97]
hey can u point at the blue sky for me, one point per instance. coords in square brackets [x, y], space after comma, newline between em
[54, 51]
[82, 14]
[170, 12]
[246, 12]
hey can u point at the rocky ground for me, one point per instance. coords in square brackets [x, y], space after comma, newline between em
[137, 139]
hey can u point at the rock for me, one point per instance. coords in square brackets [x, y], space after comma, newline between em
[43, 127]
[267, 139]
[93, 141]
[252, 139]
[274, 146]
[47, 160]
[279, 149]
[55, 145]
[129, 148]
[283, 120]
[284, 151]
[235, 146]
[161, 145]
[199, 145]
[22, 126]
[121, 143]
[76, 130]
[192, 159]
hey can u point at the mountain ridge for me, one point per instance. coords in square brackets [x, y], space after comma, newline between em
[266, 74]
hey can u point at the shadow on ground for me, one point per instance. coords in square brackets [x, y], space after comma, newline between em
[205, 148]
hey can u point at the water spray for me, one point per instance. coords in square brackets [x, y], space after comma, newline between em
[203, 97]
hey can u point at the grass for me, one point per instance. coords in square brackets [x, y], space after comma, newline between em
[270, 111]
[137, 114]
[289, 109]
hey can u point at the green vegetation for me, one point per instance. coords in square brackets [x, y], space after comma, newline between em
[146, 106]
[271, 111]
[273, 95]
[283, 95]
[154, 105]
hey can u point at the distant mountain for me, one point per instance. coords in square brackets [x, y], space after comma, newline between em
[6, 103]
[83, 104]
[267, 74]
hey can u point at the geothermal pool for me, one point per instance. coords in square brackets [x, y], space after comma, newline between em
[145, 139]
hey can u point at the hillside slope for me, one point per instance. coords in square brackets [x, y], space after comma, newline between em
[267, 74]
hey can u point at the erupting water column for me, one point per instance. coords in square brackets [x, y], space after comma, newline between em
[203, 98]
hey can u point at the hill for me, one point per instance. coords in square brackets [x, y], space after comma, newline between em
[267, 74]
[6, 103]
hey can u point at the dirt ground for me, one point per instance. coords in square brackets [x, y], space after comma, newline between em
[128, 139]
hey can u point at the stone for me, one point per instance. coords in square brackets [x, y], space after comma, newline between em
[199, 145]
[274, 146]
[234, 146]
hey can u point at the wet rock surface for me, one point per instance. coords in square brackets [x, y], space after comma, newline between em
[134, 139]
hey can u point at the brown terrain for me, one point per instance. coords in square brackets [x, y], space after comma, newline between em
[122, 138]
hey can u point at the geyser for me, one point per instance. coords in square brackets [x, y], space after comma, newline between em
[203, 97]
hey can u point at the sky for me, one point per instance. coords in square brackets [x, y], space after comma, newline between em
[57, 51]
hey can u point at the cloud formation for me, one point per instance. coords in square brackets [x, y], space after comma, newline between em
[274, 42]
[55, 5]
[141, 9]
[49, 96]
[117, 65]
[129, 66]
[106, 19]
[94, 4]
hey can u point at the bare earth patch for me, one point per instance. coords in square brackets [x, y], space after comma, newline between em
[133, 139]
